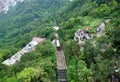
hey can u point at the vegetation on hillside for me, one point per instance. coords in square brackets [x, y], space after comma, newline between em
[82, 14]
[36, 17]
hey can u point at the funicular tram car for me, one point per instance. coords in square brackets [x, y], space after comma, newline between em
[58, 47]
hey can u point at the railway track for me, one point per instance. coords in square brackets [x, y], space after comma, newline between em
[61, 67]
[61, 62]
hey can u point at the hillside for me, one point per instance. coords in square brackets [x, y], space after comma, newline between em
[17, 27]
[36, 18]
[91, 63]
[26, 18]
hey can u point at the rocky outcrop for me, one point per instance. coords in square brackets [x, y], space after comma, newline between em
[101, 28]
[6, 4]
[82, 35]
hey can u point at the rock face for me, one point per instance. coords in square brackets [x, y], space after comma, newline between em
[100, 30]
[6, 4]
[82, 35]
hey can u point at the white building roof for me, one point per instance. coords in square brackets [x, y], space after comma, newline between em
[56, 28]
[29, 47]
[34, 43]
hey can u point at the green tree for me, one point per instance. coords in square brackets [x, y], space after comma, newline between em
[32, 75]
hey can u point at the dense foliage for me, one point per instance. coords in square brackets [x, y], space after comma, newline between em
[82, 14]
[26, 20]
[36, 18]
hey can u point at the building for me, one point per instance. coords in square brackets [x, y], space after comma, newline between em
[28, 48]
